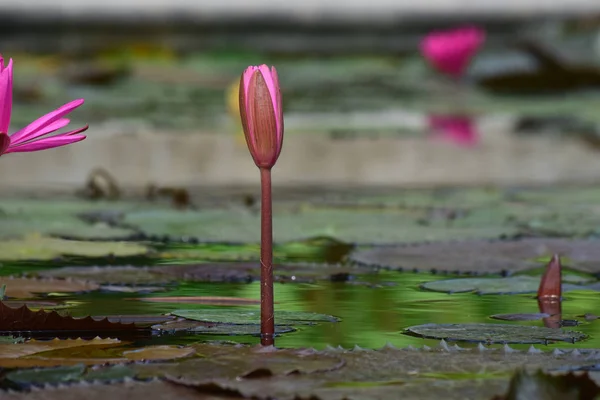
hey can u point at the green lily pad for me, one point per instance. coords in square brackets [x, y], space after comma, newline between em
[251, 317]
[482, 286]
[45, 248]
[110, 373]
[352, 226]
[312, 249]
[494, 333]
[40, 376]
[126, 275]
[205, 328]
[207, 272]
[520, 317]
[482, 256]
[23, 217]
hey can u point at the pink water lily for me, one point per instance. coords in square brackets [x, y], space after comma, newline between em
[34, 136]
[261, 112]
[451, 51]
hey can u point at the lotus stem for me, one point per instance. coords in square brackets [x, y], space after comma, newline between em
[267, 316]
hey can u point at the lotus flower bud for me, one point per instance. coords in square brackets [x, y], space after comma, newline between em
[451, 51]
[262, 114]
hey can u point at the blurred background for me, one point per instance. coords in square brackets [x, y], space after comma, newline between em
[365, 102]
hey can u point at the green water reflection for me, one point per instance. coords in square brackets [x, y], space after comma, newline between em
[371, 316]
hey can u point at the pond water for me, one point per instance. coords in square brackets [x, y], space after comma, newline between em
[374, 309]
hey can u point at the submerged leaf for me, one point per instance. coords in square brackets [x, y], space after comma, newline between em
[494, 333]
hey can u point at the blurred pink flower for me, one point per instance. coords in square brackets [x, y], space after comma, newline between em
[34, 136]
[458, 129]
[451, 51]
[262, 114]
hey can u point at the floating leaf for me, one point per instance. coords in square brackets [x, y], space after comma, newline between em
[208, 272]
[484, 286]
[126, 275]
[494, 333]
[251, 317]
[25, 288]
[156, 353]
[23, 217]
[352, 226]
[520, 317]
[209, 328]
[15, 355]
[243, 361]
[139, 320]
[484, 257]
[133, 389]
[44, 248]
[110, 373]
[46, 375]
[322, 249]
[24, 320]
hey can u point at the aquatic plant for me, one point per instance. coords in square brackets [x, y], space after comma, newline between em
[33, 137]
[451, 51]
[262, 119]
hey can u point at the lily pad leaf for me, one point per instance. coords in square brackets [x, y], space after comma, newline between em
[520, 317]
[482, 256]
[207, 328]
[252, 317]
[44, 248]
[24, 320]
[25, 288]
[483, 286]
[494, 333]
[231, 272]
[39, 376]
[293, 223]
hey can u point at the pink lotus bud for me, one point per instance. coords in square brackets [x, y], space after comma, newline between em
[262, 114]
[451, 51]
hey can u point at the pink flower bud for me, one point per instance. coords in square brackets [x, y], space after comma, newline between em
[262, 114]
[451, 51]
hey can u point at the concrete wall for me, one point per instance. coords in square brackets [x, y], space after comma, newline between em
[306, 9]
[137, 159]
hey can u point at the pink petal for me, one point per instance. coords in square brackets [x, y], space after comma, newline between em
[268, 76]
[54, 126]
[6, 84]
[47, 143]
[30, 131]
[248, 72]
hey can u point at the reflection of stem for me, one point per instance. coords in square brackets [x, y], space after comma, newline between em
[554, 309]
[267, 317]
